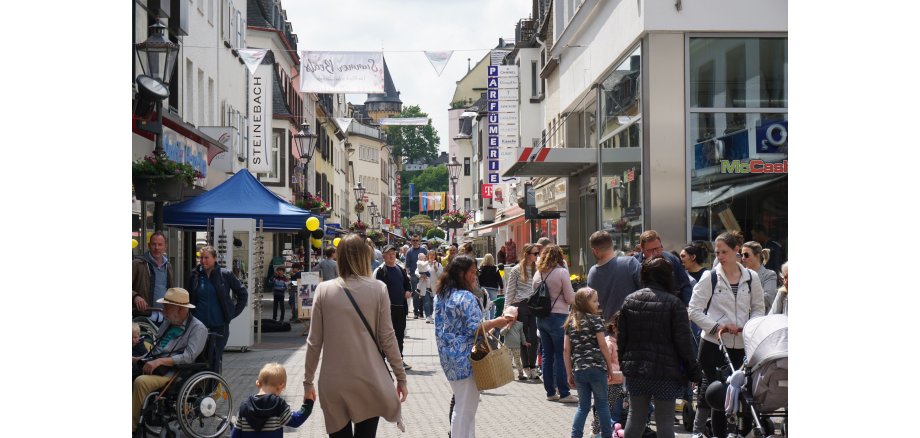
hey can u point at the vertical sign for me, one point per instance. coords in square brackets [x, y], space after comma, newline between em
[260, 119]
[502, 129]
[396, 205]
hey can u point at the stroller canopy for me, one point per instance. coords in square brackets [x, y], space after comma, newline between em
[766, 338]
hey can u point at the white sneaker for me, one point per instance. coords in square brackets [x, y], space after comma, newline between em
[568, 399]
[553, 397]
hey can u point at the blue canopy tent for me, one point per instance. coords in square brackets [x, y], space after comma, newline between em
[240, 196]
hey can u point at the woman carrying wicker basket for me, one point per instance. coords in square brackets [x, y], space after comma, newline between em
[457, 319]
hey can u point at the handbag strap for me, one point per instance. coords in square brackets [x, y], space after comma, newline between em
[366, 325]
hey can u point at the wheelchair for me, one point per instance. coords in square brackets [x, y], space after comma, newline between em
[195, 399]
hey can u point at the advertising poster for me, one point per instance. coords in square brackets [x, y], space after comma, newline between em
[306, 290]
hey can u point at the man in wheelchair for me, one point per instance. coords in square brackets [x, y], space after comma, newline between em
[180, 340]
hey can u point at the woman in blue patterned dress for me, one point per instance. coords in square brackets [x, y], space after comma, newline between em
[457, 318]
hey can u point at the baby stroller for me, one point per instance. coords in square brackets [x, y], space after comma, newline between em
[761, 387]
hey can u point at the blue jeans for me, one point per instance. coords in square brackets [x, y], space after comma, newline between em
[592, 381]
[551, 338]
[428, 304]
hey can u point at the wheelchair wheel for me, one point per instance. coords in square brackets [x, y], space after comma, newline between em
[204, 405]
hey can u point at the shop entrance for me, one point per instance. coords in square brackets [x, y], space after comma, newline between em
[584, 224]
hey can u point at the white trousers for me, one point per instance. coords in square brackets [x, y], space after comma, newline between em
[466, 401]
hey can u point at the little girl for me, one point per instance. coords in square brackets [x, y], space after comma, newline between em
[587, 360]
[615, 392]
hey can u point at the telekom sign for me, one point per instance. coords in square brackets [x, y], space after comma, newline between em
[487, 191]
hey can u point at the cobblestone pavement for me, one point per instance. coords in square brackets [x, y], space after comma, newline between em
[518, 408]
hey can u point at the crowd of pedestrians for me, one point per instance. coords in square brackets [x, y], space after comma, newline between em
[604, 341]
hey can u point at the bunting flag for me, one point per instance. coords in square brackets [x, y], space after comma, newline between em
[405, 121]
[252, 58]
[343, 123]
[439, 60]
[432, 201]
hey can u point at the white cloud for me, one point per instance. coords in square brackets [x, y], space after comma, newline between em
[403, 29]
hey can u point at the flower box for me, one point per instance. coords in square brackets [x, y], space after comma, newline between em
[158, 187]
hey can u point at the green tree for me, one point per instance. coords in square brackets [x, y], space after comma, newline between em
[413, 143]
[436, 232]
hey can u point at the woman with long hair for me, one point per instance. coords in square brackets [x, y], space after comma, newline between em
[519, 289]
[551, 270]
[754, 257]
[721, 306]
[656, 350]
[354, 396]
[457, 320]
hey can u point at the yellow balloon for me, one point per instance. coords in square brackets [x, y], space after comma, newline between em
[335, 242]
[312, 224]
[316, 243]
[197, 253]
[134, 243]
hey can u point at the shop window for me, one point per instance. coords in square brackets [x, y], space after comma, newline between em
[738, 137]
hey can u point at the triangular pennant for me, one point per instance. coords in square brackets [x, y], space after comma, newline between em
[252, 58]
[439, 60]
[343, 122]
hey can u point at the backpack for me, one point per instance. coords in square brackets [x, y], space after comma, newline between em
[539, 303]
[715, 280]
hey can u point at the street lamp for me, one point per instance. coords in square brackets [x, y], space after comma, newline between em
[157, 56]
[359, 195]
[306, 144]
[454, 170]
[373, 209]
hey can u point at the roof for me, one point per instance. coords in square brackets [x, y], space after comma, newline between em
[389, 89]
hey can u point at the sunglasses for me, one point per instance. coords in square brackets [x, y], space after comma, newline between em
[745, 255]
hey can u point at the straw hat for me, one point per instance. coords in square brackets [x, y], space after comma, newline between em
[176, 296]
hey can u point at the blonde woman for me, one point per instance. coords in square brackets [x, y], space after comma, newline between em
[519, 289]
[350, 395]
[551, 270]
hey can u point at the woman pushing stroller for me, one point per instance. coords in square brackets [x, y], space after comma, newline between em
[721, 306]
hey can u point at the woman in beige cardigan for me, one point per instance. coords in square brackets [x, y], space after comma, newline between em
[354, 385]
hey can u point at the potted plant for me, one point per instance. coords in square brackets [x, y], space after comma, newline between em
[377, 237]
[314, 204]
[454, 219]
[158, 178]
[358, 227]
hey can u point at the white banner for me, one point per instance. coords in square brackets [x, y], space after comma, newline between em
[260, 119]
[439, 60]
[252, 58]
[343, 122]
[341, 72]
[407, 121]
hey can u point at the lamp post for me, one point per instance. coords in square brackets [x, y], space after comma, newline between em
[454, 170]
[359, 195]
[306, 144]
[373, 209]
[157, 56]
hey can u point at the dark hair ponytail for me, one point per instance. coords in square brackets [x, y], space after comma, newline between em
[658, 271]
[698, 251]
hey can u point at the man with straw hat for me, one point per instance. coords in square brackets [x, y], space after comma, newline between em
[179, 341]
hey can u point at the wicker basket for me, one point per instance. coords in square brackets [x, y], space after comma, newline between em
[494, 370]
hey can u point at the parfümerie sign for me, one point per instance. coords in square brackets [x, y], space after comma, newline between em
[341, 72]
[260, 118]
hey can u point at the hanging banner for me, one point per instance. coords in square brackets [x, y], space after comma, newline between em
[260, 118]
[341, 72]
[439, 60]
[405, 121]
[252, 58]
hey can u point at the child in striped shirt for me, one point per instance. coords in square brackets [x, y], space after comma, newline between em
[263, 415]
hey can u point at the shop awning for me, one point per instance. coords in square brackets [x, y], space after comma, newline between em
[699, 199]
[488, 228]
[569, 161]
[552, 161]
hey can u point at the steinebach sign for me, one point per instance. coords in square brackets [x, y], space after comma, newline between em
[260, 119]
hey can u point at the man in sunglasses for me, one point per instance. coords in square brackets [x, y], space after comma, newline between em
[411, 264]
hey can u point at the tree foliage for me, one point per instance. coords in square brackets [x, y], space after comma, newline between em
[413, 143]
[431, 179]
[436, 232]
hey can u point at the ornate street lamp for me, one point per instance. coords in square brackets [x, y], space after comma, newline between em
[157, 56]
[454, 170]
[359, 196]
[373, 209]
[306, 144]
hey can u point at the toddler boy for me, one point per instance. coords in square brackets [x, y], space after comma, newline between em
[263, 415]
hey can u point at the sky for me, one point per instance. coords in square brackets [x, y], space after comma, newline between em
[403, 29]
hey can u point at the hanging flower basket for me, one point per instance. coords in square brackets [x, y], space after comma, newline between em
[158, 187]
[454, 219]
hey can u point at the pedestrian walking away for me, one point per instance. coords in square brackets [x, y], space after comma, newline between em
[724, 299]
[327, 268]
[279, 288]
[354, 387]
[587, 361]
[398, 288]
[457, 319]
[411, 264]
[656, 349]
[265, 414]
[550, 271]
[214, 290]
